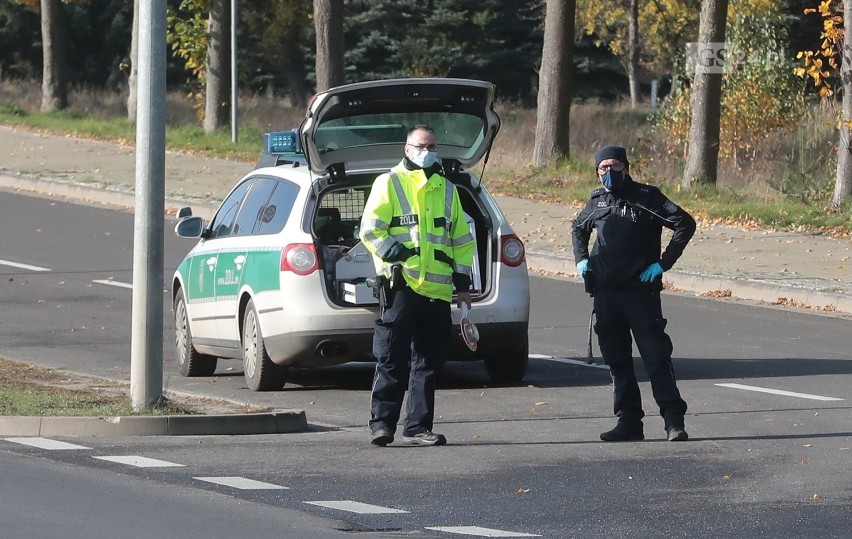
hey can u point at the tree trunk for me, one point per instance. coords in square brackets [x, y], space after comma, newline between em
[703, 154]
[843, 179]
[555, 88]
[328, 18]
[633, 53]
[54, 88]
[217, 72]
[296, 86]
[134, 65]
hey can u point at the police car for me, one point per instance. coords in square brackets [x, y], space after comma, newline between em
[278, 276]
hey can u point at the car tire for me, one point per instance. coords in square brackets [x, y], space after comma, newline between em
[260, 372]
[190, 362]
[509, 368]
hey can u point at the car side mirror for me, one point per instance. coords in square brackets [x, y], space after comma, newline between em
[184, 212]
[190, 227]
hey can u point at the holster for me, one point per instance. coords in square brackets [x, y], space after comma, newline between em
[590, 283]
[397, 281]
[381, 289]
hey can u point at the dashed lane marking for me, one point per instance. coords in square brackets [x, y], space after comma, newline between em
[356, 507]
[44, 443]
[110, 282]
[140, 462]
[241, 483]
[779, 392]
[22, 266]
[479, 532]
[569, 361]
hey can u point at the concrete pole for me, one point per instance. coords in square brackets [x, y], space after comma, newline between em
[234, 132]
[146, 340]
[654, 94]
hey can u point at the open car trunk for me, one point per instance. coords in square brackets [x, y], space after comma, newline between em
[346, 263]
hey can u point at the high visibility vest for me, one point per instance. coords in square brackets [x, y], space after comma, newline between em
[424, 214]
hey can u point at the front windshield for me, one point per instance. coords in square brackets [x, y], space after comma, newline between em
[463, 131]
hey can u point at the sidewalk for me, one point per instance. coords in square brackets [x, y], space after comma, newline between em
[721, 261]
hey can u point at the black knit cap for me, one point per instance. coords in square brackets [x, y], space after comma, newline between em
[611, 152]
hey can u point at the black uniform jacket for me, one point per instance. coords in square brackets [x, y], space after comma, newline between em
[629, 230]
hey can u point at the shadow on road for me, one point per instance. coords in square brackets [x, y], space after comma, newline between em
[544, 373]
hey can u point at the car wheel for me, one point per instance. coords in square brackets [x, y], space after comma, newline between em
[260, 372]
[189, 361]
[509, 368]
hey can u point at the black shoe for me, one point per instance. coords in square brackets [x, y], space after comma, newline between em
[382, 437]
[425, 438]
[623, 433]
[677, 434]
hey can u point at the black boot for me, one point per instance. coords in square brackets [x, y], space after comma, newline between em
[624, 432]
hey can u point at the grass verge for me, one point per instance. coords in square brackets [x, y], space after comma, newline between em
[27, 390]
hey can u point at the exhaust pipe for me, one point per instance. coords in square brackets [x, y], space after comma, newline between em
[332, 349]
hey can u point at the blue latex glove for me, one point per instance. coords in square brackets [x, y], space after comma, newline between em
[651, 273]
[583, 266]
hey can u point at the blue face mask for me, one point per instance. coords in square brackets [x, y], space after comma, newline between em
[613, 180]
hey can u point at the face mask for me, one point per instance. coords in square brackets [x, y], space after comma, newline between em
[424, 158]
[613, 180]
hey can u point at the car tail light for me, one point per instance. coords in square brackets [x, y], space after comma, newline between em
[512, 252]
[300, 258]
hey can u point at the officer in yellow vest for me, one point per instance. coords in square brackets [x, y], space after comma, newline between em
[413, 219]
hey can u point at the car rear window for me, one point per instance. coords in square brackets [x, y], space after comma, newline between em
[452, 128]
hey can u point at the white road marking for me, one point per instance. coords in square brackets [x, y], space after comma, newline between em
[110, 282]
[569, 361]
[22, 266]
[241, 483]
[479, 532]
[780, 392]
[356, 507]
[44, 443]
[140, 462]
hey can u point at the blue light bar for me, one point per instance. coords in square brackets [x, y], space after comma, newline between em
[282, 142]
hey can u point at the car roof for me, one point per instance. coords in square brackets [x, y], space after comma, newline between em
[364, 125]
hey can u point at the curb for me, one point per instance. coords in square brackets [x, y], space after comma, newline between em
[699, 284]
[284, 421]
[101, 195]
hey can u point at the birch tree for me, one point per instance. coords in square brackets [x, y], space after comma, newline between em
[834, 57]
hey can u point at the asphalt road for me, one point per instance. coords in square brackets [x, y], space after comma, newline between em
[42, 498]
[525, 459]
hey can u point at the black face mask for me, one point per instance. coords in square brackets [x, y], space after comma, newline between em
[613, 180]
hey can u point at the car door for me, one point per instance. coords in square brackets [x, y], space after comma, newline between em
[233, 258]
[200, 278]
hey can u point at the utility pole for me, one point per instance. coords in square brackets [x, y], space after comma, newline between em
[234, 133]
[146, 340]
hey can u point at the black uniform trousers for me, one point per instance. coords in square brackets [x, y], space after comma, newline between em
[410, 343]
[618, 311]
